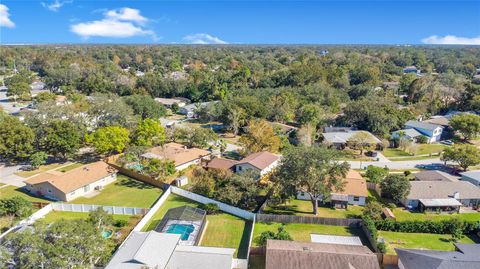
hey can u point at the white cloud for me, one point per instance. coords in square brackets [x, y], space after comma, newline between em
[56, 4]
[121, 23]
[451, 40]
[202, 38]
[126, 14]
[5, 17]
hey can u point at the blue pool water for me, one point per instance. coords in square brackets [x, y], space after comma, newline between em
[182, 229]
[106, 234]
[137, 167]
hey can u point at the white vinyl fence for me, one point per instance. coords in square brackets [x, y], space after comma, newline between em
[222, 206]
[37, 215]
[118, 210]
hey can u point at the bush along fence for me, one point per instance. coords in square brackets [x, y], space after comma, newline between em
[428, 226]
[118, 210]
[308, 220]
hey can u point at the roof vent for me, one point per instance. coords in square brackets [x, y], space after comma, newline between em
[307, 249]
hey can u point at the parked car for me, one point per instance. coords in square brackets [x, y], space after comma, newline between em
[447, 142]
[372, 154]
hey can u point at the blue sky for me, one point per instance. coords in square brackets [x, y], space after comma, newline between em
[240, 22]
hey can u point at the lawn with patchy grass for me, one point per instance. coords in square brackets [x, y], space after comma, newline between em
[394, 152]
[301, 232]
[305, 208]
[12, 191]
[420, 241]
[69, 167]
[223, 230]
[40, 169]
[405, 215]
[58, 215]
[124, 191]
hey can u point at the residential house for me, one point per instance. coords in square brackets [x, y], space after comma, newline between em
[354, 192]
[465, 256]
[409, 134]
[182, 156]
[163, 250]
[169, 102]
[441, 195]
[340, 139]
[472, 177]
[432, 131]
[260, 162]
[221, 163]
[434, 175]
[72, 184]
[305, 255]
[191, 109]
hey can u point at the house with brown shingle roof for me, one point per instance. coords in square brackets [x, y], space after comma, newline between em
[182, 156]
[354, 191]
[221, 163]
[75, 183]
[305, 255]
[260, 162]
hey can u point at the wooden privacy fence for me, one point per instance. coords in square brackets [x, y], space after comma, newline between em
[39, 205]
[375, 187]
[307, 220]
[387, 259]
[119, 210]
[258, 251]
[130, 173]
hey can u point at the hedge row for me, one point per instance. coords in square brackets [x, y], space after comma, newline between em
[428, 226]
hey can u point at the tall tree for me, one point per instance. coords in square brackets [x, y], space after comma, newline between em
[109, 140]
[313, 170]
[16, 139]
[396, 187]
[260, 136]
[61, 138]
[464, 155]
[466, 124]
[146, 106]
[149, 132]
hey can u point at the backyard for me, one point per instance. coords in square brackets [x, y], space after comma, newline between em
[405, 215]
[12, 191]
[305, 208]
[222, 230]
[124, 192]
[301, 232]
[420, 241]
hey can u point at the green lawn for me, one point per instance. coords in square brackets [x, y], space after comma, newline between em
[305, 208]
[399, 155]
[124, 192]
[394, 152]
[430, 148]
[69, 167]
[223, 230]
[58, 215]
[301, 232]
[420, 241]
[40, 169]
[404, 215]
[11, 191]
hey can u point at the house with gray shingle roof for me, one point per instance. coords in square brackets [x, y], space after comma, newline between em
[465, 256]
[442, 195]
[340, 139]
[432, 131]
[409, 134]
[472, 177]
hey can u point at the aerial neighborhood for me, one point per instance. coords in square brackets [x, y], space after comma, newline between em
[218, 156]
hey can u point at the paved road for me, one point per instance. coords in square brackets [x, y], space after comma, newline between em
[394, 165]
[7, 175]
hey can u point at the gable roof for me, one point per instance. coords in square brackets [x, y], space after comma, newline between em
[75, 178]
[260, 160]
[177, 153]
[410, 132]
[466, 257]
[305, 255]
[442, 189]
[439, 120]
[434, 175]
[355, 185]
[422, 125]
[475, 175]
[221, 163]
[145, 249]
[344, 137]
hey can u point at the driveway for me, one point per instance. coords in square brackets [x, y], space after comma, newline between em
[394, 165]
[7, 175]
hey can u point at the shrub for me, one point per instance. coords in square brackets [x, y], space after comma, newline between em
[281, 234]
[382, 247]
[17, 206]
[450, 226]
[373, 210]
[211, 208]
[120, 223]
[407, 173]
[422, 139]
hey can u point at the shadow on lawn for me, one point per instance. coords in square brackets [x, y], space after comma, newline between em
[243, 247]
[132, 183]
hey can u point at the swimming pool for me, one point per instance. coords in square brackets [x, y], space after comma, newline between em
[182, 229]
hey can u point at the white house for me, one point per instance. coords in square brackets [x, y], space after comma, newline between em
[261, 162]
[432, 131]
[75, 183]
[354, 192]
